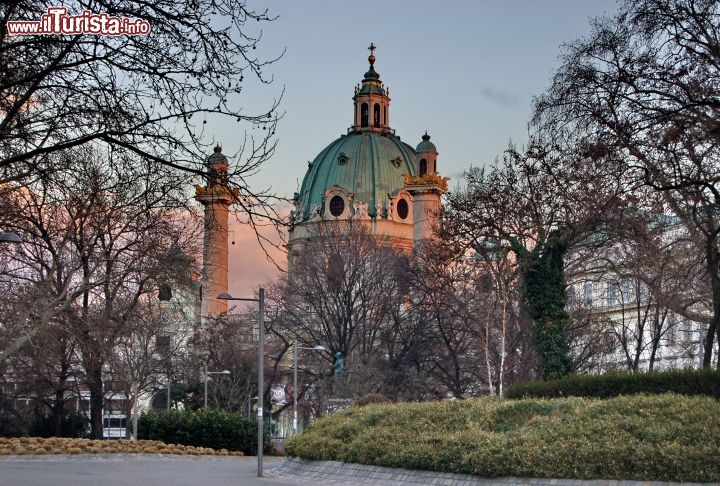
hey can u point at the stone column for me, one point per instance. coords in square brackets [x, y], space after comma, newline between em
[426, 192]
[216, 201]
[216, 197]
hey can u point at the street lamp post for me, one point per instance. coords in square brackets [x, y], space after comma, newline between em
[295, 367]
[261, 367]
[223, 372]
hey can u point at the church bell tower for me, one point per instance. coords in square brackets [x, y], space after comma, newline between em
[216, 197]
[372, 101]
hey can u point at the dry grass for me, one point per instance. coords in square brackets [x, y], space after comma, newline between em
[57, 445]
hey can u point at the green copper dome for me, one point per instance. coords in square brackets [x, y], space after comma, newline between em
[367, 164]
[426, 145]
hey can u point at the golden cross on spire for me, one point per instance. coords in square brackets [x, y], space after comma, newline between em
[371, 57]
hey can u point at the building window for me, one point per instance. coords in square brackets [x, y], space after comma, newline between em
[570, 292]
[376, 115]
[337, 206]
[364, 115]
[336, 271]
[588, 293]
[164, 293]
[402, 209]
[423, 167]
[162, 344]
[611, 293]
[625, 290]
[385, 116]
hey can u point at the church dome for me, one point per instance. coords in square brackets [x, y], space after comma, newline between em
[426, 145]
[369, 177]
[366, 165]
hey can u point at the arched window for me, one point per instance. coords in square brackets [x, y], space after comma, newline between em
[385, 122]
[376, 115]
[364, 115]
[423, 167]
[403, 210]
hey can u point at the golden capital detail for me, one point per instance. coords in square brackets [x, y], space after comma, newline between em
[427, 179]
[215, 192]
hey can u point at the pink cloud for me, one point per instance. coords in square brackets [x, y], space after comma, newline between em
[249, 265]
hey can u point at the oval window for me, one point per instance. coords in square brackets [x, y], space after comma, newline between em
[402, 209]
[337, 206]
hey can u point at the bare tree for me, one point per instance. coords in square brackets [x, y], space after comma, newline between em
[142, 358]
[538, 203]
[504, 333]
[445, 297]
[44, 374]
[227, 342]
[642, 88]
[647, 269]
[96, 236]
[149, 94]
[152, 96]
[342, 292]
[409, 324]
[342, 296]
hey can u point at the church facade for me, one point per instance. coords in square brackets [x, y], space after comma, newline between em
[369, 176]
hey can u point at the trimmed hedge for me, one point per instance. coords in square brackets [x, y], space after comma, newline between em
[59, 445]
[205, 428]
[640, 437]
[684, 382]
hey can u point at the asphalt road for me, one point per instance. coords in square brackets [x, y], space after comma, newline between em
[140, 470]
[172, 470]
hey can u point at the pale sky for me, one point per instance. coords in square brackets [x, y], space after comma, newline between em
[465, 71]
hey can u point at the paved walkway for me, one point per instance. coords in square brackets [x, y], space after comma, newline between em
[171, 470]
[346, 474]
[137, 470]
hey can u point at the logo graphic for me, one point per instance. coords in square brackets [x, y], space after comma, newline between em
[57, 22]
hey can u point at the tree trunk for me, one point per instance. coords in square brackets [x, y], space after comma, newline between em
[713, 259]
[488, 364]
[503, 353]
[135, 412]
[651, 363]
[95, 384]
[58, 411]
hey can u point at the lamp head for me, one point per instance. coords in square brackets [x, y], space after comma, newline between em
[8, 237]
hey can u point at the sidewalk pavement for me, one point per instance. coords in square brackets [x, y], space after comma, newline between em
[344, 473]
[173, 470]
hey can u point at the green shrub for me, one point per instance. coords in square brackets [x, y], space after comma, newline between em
[11, 426]
[205, 428]
[684, 382]
[73, 424]
[639, 437]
